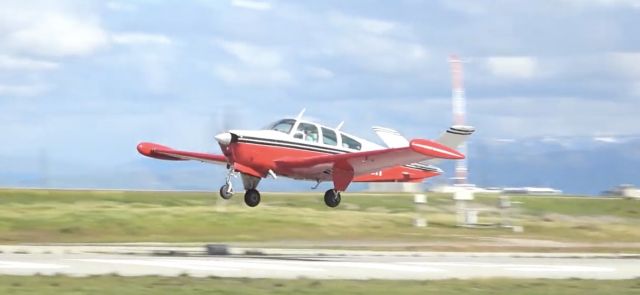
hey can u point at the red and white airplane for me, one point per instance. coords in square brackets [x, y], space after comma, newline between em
[301, 149]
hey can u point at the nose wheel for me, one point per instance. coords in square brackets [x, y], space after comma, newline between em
[226, 191]
[252, 197]
[332, 198]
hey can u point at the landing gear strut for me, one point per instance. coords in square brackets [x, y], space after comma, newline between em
[226, 191]
[252, 197]
[332, 198]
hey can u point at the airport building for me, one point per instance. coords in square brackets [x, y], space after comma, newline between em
[624, 190]
[531, 191]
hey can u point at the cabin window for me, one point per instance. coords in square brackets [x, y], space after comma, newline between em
[329, 137]
[307, 132]
[283, 126]
[350, 143]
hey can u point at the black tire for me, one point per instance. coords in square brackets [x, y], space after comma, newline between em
[252, 198]
[332, 198]
[224, 194]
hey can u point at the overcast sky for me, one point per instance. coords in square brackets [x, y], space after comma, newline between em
[86, 80]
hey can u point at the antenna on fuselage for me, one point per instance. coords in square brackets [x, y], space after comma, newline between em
[300, 114]
[340, 125]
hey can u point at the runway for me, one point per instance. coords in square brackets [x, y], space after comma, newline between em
[392, 267]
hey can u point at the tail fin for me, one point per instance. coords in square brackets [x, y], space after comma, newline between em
[453, 137]
[390, 137]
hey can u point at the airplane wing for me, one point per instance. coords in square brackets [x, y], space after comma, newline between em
[157, 151]
[364, 162]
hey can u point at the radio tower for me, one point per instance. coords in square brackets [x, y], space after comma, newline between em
[459, 106]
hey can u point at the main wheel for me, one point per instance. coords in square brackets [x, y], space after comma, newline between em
[225, 192]
[252, 198]
[332, 198]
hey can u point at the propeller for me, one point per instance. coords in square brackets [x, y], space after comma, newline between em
[227, 119]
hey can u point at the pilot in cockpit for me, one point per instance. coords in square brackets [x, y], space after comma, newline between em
[310, 135]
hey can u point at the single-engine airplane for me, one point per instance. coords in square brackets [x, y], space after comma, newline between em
[301, 149]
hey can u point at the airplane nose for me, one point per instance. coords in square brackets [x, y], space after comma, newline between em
[223, 138]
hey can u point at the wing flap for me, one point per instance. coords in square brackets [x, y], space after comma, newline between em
[390, 137]
[157, 151]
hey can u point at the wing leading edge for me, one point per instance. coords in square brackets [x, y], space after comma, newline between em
[157, 151]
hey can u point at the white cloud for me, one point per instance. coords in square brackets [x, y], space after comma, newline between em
[251, 4]
[121, 6]
[257, 65]
[138, 38]
[635, 89]
[370, 25]
[382, 53]
[626, 64]
[512, 67]
[50, 29]
[8, 62]
[607, 3]
[553, 116]
[21, 90]
[606, 139]
[320, 73]
[377, 45]
[470, 7]
[252, 55]
[244, 76]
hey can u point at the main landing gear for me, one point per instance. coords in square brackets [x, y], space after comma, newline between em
[251, 195]
[332, 198]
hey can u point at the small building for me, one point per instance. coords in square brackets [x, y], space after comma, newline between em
[452, 189]
[393, 187]
[624, 190]
[531, 190]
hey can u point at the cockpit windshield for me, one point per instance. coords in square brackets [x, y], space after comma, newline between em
[283, 126]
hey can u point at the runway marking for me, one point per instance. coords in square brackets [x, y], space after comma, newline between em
[266, 265]
[212, 265]
[30, 265]
[522, 267]
[160, 262]
[561, 268]
[384, 266]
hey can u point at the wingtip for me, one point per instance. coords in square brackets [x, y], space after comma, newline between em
[436, 150]
[148, 148]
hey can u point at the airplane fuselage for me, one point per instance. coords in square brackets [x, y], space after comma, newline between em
[260, 150]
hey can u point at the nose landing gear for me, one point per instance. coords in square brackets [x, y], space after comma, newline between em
[226, 191]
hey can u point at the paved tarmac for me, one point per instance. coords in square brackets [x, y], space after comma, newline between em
[370, 266]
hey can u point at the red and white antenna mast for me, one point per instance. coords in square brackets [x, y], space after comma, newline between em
[459, 113]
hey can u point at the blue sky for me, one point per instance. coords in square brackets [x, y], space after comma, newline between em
[84, 81]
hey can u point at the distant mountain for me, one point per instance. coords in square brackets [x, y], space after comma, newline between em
[579, 165]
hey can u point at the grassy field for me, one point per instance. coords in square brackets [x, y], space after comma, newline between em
[38, 216]
[185, 285]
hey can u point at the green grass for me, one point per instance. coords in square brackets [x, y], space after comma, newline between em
[38, 216]
[185, 285]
